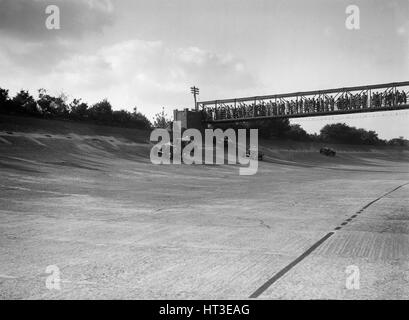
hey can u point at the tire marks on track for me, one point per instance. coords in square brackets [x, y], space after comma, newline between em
[306, 253]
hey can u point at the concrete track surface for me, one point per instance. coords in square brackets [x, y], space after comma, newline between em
[88, 201]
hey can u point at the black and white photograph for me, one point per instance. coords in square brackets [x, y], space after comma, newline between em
[234, 151]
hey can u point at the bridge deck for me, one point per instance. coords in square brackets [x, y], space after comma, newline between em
[348, 100]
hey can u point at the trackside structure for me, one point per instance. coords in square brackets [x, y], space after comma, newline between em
[189, 118]
[348, 100]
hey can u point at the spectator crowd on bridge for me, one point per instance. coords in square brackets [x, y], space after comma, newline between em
[301, 105]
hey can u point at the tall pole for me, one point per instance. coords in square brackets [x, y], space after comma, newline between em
[195, 92]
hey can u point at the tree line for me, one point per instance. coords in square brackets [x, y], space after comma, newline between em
[58, 107]
[330, 133]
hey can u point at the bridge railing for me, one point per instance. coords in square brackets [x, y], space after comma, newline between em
[380, 97]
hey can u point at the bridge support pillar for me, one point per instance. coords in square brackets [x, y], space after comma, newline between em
[189, 119]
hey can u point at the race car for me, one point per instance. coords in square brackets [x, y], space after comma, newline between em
[328, 152]
[250, 152]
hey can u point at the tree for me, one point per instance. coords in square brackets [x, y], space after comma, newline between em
[369, 137]
[141, 121]
[161, 120]
[4, 100]
[53, 106]
[78, 110]
[338, 132]
[44, 101]
[121, 117]
[297, 133]
[60, 105]
[341, 133]
[23, 102]
[101, 111]
[269, 128]
[401, 142]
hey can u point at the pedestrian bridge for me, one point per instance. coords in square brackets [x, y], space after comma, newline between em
[349, 100]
